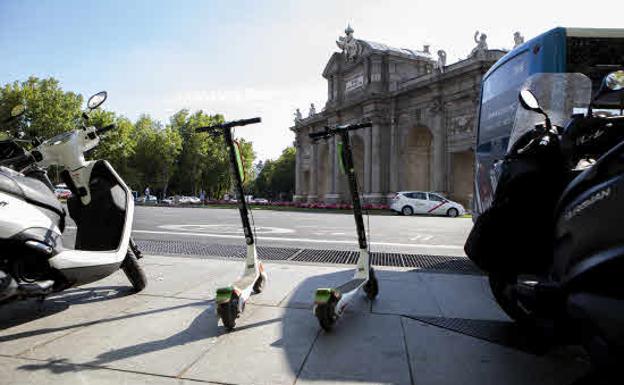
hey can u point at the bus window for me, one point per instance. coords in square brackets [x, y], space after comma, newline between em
[499, 98]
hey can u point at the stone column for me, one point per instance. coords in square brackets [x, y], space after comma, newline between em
[313, 186]
[368, 157]
[438, 147]
[298, 169]
[377, 166]
[394, 155]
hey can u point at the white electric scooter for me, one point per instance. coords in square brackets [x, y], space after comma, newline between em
[331, 302]
[33, 261]
[231, 299]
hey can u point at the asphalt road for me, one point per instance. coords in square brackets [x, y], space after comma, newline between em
[415, 234]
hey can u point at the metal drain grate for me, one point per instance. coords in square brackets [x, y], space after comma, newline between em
[327, 256]
[191, 248]
[438, 263]
[276, 253]
[387, 259]
[499, 332]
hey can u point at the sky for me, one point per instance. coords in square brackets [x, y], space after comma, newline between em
[246, 58]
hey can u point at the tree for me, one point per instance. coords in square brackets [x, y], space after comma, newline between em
[117, 146]
[155, 154]
[277, 178]
[49, 109]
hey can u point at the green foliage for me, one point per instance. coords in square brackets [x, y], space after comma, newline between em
[49, 110]
[277, 177]
[170, 159]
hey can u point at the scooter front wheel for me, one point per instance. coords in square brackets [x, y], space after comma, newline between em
[134, 272]
[326, 314]
[228, 312]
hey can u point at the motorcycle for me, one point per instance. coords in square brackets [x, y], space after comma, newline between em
[551, 241]
[33, 260]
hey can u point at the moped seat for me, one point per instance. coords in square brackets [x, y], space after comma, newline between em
[31, 190]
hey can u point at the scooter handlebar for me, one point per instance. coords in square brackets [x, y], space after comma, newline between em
[333, 131]
[222, 126]
[104, 129]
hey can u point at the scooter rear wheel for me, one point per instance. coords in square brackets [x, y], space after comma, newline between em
[259, 284]
[134, 272]
[326, 314]
[371, 288]
[228, 312]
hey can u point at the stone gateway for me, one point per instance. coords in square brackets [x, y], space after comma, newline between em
[423, 113]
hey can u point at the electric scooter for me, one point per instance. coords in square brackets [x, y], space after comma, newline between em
[330, 303]
[33, 261]
[231, 299]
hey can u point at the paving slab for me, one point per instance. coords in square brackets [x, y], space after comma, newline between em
[405, 293]
[267, 347]
[439, 357]
[464, 296]
[27, 324]
[164, 336]
[171, 276]
[364, 348]
[18, 371]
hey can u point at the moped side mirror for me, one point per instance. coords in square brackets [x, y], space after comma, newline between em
[613, 82]
[96, 100]
[528, 100]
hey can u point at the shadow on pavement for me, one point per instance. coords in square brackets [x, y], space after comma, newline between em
[397, 348]
[20, 312]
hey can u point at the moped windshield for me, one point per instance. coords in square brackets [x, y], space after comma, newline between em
[559, 95]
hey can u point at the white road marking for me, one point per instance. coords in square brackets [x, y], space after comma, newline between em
[228, 229]
[420, 245]
[421, 237]
[433, 246]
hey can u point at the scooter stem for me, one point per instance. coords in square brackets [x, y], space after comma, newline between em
[238, 182]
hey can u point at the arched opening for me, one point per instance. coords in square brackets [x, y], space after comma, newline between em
[415, 159]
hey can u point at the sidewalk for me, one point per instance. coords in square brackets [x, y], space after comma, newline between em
[424, 328]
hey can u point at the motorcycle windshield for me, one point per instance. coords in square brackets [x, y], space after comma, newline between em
[559, 95]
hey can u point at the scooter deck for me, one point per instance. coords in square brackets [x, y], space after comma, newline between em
[350, 285]
[245, 281]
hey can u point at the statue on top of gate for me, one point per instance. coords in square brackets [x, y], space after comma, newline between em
[349, 45]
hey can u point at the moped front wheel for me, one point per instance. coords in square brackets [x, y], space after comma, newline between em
[504, 290]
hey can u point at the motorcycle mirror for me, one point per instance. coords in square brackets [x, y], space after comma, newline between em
[529, 101]
[96, 100]
[18, 110]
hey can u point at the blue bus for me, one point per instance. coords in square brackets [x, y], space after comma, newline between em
[592, 52]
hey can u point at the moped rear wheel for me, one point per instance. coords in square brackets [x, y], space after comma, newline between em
[134, 272]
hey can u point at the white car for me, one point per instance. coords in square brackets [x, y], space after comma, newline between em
[168, 201]
[418, 202]
[189, 200]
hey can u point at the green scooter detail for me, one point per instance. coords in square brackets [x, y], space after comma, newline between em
[330, 303]
[231, 299]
